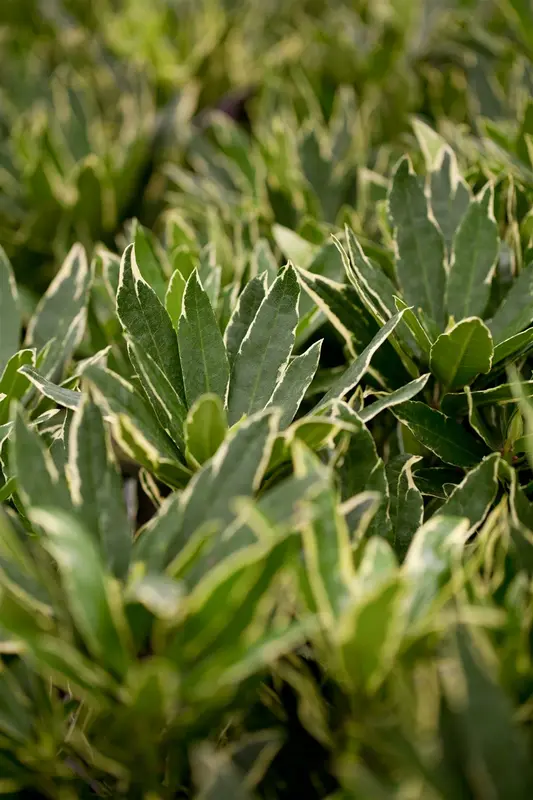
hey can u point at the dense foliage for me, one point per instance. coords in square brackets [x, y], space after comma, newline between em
[266, 399]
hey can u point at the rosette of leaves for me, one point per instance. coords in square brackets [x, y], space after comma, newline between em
[189, 379]
[461, 322]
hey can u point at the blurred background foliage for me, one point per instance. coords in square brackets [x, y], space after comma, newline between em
[106, 109]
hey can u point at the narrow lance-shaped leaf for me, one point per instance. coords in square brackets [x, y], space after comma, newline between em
[516, 310]
[265, 349]
[473, 497]
[174, 297]
[59, 318]
[84, 581]
[165, 401]
[327, 546]
[294, 383]
[146, 321]
[38, 480]
[10, 321]
[60, 395]
[243, 315]
[120, 397]
[475, 250]
[235, 471]
[96, 487]
[353, 374]
[462, 353]
[449, 195]
[384, 401]
[13, 385]
[203, 355]
[440, 434]
[420, 246]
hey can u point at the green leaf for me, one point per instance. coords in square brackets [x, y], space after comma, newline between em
[119, 397]
[162, 538]
[413, 323]
[243, 315]
[294, 247]
[440, 434]
[165, 401]
[85, 585]
[60, 315]
[235, 471]
[96, 487]
[353, 374]
[475, 251]
[429, 559]
[384, 401]
[449, 195]
[462, 353]
[327, 547]
[205, 428]
[37, 477]
[150, 266]
[203, 355]
[63, 397]
[147, 323]
[485, 729]
[360, 469]
[455, 405]
[516, 311]
[174, 297]
[12, 385]
[408, 506]
[294, 383]
[10, 320]
[420, 246]
[266, 348]
[430, 142]
[474, 496]
[514, 346]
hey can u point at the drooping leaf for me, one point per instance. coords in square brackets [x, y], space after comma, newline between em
[202, 352]
[96, 487]
[10, 321]
[266, 348]
[462, 353]
[440, 434]
[420, 246]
